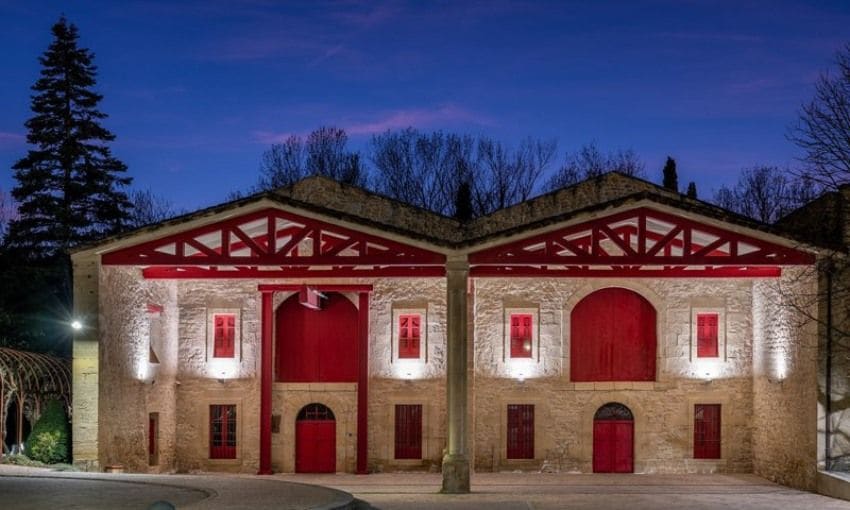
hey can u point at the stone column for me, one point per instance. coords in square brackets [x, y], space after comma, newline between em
[456, 461]
[86, 364]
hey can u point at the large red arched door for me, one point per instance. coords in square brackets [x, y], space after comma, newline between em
[612, 337]
[316, 345]
[613, 439]
[315, 440]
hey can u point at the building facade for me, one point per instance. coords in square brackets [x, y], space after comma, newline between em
[612, 326]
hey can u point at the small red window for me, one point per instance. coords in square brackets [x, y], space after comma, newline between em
[521, 335]
[408, 431]
[409, 334]
[707, 335]
[707, 431]
[223, 432]
[224, 336]
[520, 431]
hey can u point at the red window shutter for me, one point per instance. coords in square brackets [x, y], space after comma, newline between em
[408, 431]
[707, 335]
[409, 336]
[521, 335]
[707, 431]
[224, 335]
[520, 431]
[222, 431]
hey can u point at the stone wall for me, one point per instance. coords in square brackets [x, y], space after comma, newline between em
[785, 379]
[564, 410]
[85, 366]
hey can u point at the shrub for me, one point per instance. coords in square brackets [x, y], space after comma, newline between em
[48, 441]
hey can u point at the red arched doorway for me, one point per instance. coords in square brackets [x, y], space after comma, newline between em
[613, 439]
[315, 440]
[316, 345]
[612, 337]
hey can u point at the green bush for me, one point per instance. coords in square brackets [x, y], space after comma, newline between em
[48, 441]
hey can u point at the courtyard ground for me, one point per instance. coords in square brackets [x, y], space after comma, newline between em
[527, 491]
[28, 488]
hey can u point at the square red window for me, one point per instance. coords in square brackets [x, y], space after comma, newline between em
[521, 335]
[224, 335]
[707, 431]
[409, 335]
[408, 431]
[520, 431]
[707, 344]
[222, 431]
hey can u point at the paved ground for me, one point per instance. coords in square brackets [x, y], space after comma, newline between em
[510, 491]
[31, 489]
[26, 488]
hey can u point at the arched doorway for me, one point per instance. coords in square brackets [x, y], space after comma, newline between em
[317, 345]
[315, 440]
[612, 337]
[613, 439]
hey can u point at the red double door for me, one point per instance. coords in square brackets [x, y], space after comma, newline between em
[613, 446]
[315, 446]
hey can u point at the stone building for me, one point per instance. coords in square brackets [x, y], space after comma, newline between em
[611, 326]
[825, 221]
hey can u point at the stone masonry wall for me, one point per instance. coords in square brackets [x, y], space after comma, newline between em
[785, 379]
[564, 410]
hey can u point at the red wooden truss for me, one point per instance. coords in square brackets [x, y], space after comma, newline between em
[635, 243]
[276, 244]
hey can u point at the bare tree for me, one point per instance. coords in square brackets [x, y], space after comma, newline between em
[430, 169]
[149, 208]
[766, 193]
[589, 162]
[282, 164]
[509, 176]
[324, 152]
[823, 130]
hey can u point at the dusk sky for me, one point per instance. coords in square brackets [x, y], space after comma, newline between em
[195, 91]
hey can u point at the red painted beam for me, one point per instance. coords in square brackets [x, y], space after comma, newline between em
[519, 252]
[200, 273]
[269, 287]
[363, 386]
[626, 272]
[267, 318]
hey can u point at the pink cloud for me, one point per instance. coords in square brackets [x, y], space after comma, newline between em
[419, 118]
[443, 116]
[8, 139]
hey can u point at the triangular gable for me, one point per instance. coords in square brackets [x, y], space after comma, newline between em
[634, 241]
[274, 240]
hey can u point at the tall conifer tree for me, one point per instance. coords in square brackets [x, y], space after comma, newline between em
[69, 186]
[671, 179]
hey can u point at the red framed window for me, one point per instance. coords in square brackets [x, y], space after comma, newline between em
[521, 335]
[409, 335]
[520, 431]
[707, 431]
[707, 335]
[224, 326]
[222, 431]
[408, 431]
[153, 439]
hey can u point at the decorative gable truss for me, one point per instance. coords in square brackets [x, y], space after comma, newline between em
[276, 244]
[635, 243]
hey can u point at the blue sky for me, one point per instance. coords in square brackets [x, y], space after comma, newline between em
[196, 90]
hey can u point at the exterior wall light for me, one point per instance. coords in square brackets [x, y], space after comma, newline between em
[76, 325]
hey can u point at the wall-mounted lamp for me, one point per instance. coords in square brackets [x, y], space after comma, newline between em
[76, 325]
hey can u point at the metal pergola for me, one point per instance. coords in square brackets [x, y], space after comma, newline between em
[29, 377]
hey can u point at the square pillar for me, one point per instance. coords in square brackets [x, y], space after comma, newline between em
[456, 460]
